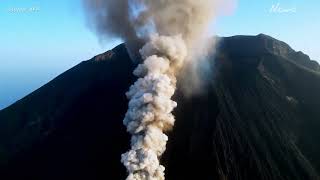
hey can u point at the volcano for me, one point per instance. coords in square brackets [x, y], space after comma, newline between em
[257, 117]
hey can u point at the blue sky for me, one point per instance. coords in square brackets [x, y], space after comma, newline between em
[40, 43]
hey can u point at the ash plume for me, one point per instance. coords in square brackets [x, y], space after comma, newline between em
[171, 30]
[150, 106]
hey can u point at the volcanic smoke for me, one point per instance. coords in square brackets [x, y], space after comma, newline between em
[169, 29]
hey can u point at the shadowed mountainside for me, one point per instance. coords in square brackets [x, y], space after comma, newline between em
[258, 118]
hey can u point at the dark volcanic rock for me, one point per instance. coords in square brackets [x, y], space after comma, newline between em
[257, 119]
[249, 46]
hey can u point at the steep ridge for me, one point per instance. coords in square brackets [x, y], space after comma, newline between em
[258, 118]
[263, 44]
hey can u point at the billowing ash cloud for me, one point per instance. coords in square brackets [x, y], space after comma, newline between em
[150, 106]
[171, 30]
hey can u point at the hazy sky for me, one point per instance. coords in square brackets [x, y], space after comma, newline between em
[40, 39]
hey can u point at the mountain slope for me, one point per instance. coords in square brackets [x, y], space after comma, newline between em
[258, 118]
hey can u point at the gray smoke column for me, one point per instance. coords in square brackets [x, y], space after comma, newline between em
[150, 106]
[170, 30]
